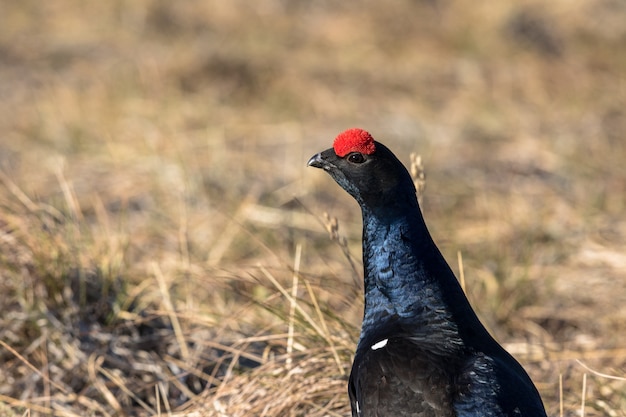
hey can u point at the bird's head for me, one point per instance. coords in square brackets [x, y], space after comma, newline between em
[366, 169]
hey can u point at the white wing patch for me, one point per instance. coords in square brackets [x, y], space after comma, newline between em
[380, 344]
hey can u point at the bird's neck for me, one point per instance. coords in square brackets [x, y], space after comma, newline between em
[396, 246]
[407, 281]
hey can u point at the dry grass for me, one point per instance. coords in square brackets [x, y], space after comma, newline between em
[163, 248]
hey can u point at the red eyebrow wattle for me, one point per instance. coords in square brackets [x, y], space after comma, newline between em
[354, 140]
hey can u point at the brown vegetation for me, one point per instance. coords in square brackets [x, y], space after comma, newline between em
[163, 248]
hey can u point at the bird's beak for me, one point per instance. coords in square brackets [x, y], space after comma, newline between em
[316, 161]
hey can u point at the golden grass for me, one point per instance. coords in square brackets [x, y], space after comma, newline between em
[163, 248]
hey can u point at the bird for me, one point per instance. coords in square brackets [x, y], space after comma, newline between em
[422, 351]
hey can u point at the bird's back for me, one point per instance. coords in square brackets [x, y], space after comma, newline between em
[399, 379]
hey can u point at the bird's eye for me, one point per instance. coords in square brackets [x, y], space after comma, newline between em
[356, 158]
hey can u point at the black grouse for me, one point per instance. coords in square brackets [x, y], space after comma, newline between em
[422, 350]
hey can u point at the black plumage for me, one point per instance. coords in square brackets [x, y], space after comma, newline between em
[422, 350]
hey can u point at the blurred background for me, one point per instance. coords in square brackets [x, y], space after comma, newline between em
[157, 217]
